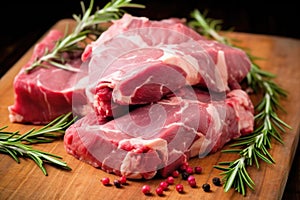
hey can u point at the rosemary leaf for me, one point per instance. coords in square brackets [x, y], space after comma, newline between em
[231, 174]
[11, 153]
[220, 168]
[20, 145]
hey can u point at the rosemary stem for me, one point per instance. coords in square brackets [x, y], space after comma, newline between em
[200, 19]
[40, 60]
[215, 35]
[20, 145]
[267, 108]
[267, 123]
[15, 147]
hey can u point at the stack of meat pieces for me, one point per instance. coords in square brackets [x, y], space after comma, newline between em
[160, 94]
[150, 96]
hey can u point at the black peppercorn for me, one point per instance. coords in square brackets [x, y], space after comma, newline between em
[216, 181]
[185, 175]
[206, 187]
[117, 183]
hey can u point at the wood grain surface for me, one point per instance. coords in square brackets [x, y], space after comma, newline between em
[281, 56]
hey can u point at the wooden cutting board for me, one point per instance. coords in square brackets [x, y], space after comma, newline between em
[26, 180]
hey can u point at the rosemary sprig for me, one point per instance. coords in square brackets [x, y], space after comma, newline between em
[268, 125]
[86, 26]
[207, 26]
[20, 145]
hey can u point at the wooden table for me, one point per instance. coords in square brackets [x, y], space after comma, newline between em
[26, 181]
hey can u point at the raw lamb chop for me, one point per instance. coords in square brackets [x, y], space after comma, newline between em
[139, 61]
[157, 138]
[44, 93]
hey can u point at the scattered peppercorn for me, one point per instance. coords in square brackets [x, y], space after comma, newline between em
[184, 175]
[164, 185]
[192, 183]
[216, 181]
[123, 180]
[182, 168]
[146, 189]
[117, 183]
[189, 170]
[198, 170]
[159, 191]
[179, 188]
[170, 180]
[105, 181]
[185, 170]
[206, 187]
[175, 173]
[191, 178]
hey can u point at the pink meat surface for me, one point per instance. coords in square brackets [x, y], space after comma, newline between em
[157, 138]
[139, 61]
[44, 93]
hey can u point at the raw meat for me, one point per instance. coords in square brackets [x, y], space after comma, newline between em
[157, 138]
[44, 93]
[138, 61]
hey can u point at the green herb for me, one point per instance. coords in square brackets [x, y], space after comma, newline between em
[268, 125]
[19, 145]
[87, 25]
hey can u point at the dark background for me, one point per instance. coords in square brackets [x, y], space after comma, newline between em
[23, 23]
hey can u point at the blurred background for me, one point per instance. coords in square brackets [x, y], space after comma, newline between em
[24, 22]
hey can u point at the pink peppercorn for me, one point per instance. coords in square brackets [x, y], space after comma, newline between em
[159, 191]
[164, 185]
[105, 181]
[191, 178]
[198, 170]
[189, 170]
[192, 183]
[123, 180]
[182, 168]
[170, 180]
[146, 189]
[179, 188]
[175, 173]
